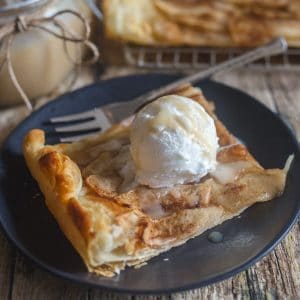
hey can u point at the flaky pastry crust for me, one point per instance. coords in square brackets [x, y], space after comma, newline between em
[112, 229]
[217, 23]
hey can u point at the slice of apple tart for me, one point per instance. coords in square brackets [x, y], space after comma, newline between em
[141, 188]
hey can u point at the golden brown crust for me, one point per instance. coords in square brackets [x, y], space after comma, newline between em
[111, 229]
[80, 219]
[226, 23]
[253, 31]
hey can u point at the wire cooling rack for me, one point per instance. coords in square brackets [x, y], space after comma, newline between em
[200, 58]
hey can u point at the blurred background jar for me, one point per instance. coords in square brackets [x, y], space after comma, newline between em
[39, 59]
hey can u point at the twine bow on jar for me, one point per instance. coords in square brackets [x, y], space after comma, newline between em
[26, 23]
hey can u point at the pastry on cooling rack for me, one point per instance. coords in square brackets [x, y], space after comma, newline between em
[139, 189]
[152, 22]
[220, 23]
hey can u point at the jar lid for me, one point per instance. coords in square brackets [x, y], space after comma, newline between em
[17, 7]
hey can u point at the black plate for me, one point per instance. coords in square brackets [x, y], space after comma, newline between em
[199, 262]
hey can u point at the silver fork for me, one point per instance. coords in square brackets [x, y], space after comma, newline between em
[103, 117]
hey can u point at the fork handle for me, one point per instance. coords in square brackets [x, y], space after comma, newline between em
[277, 46]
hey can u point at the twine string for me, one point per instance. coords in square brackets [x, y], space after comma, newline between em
[23, 24]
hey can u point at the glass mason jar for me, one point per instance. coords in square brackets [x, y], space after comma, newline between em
[39, 59]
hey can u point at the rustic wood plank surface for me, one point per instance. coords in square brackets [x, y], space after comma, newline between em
[275, 276]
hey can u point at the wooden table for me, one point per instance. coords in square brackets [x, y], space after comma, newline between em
[275, 276]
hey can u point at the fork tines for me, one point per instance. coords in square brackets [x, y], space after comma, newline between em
[99, 122]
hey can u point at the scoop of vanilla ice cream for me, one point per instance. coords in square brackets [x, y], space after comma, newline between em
[173, 141]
